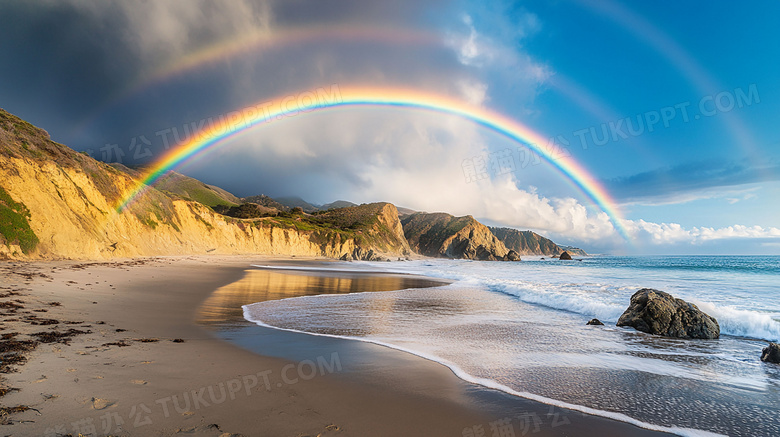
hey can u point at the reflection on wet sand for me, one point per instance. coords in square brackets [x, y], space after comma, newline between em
[223, 308]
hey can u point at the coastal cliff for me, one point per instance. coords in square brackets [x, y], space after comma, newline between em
[445, 236]
[526, 242]
[58, 203]
[531, 243]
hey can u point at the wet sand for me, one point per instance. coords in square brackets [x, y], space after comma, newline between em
[162, 353]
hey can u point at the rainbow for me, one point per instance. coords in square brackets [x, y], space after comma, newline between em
[258, 42]
[265, 40]
[321, 100]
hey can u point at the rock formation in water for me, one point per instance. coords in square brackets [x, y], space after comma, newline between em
[573, 250]
[660, 313]
[771, 354]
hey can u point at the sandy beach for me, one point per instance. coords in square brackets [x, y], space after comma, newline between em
[138, 353]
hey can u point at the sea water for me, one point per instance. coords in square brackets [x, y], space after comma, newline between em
[521, 328]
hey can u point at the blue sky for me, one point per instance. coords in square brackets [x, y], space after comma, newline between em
[628, 74]
[571, 70]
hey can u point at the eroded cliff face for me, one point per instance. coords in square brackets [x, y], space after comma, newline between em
[445, 236]
[70, 204]
[73, 219]
[389, 230]
[526, 242]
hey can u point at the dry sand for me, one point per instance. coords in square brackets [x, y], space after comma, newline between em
[142, 366]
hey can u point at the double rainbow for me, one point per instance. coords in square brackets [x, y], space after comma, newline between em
[279, 108]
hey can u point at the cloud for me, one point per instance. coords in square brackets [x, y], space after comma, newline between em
[492, 45]
[686, 182]
[164, 29]
[673, 233]
[746, 196]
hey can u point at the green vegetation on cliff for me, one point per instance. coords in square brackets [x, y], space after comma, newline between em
[193, 189]
[368, 225]
[265, 201]
[14, 226]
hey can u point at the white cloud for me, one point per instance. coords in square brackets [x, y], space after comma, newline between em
[473, 91]
[173, 27]
[731, 195]
[478, 49]
[673, 233]
[468, 51]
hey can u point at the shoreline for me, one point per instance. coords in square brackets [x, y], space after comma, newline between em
[150, 303]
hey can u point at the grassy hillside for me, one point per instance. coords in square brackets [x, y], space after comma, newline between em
[373, 225]
[193, 189]
[265, 201]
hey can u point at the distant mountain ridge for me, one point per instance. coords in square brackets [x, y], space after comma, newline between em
[293, 202]
[337, 204]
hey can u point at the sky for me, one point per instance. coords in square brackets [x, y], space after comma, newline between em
[671, 108]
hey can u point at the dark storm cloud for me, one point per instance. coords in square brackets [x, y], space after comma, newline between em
[357, 11]
[58, 61]
[72, 59]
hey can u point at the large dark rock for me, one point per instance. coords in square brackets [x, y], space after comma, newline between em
[771, 354]
[512, 256]
[361, 254]
[660, 313]
[565, 256]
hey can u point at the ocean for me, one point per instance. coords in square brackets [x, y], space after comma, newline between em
[521, 328]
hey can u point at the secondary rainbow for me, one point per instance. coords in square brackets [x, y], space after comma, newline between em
[307, 102]
[256, 43]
